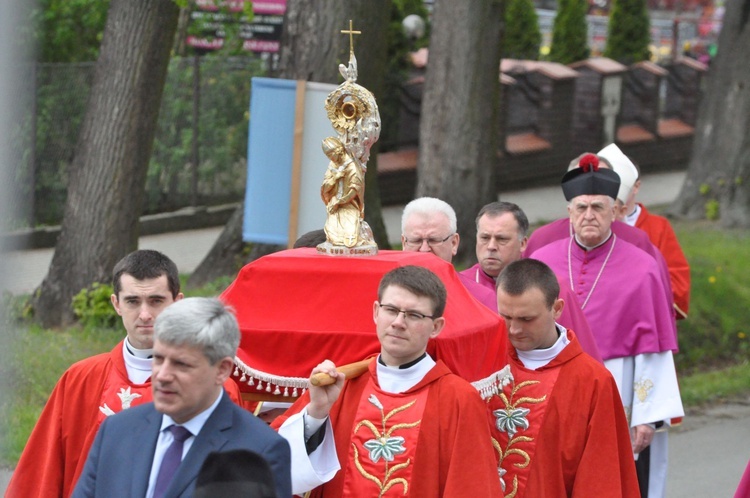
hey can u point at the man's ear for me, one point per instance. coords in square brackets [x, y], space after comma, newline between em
[179, 296]
[115, 303]
[557, 308]
[437, 327]
[226, 365]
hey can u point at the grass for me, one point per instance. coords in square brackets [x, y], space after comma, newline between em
[717, 329]
[31, 361]
[712, 363]
[701, 389]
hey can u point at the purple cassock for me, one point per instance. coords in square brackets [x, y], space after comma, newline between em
[571, 318]
[480, 293]
[562, 229]
[619, 287]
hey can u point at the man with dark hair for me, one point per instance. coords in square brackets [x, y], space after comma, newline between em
[191, 416]
[145, 283]
[407, 422]
[558, 415]
[501, 239]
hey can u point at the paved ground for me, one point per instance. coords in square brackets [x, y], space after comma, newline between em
[709, 452]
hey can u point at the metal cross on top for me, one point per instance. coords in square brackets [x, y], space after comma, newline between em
[351, 34]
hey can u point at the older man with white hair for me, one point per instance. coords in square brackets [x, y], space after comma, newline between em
[429, 225]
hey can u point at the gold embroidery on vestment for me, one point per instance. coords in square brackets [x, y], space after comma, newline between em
[508, 420]
[385, 446]
[642, 388]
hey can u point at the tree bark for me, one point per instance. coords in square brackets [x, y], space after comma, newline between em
[108, 172]
[312, 46]
[718, 177]
[458, 134]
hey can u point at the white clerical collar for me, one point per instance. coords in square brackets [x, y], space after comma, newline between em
[633, 217]
[587, 248]
[138, 367]
[537, 358]
[398, 380]
[138, 353]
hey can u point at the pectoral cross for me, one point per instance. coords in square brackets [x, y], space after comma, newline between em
[351, 34]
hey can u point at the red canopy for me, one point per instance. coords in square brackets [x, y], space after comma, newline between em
[296, 308]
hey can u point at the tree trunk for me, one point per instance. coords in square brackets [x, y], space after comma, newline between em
[312, 46]
[718, 176]
[458, 136]
[108, 172]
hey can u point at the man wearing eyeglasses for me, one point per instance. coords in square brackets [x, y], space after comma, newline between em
[407, 423]
[429, 225]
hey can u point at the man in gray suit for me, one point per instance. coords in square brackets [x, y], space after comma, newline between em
[157, 449]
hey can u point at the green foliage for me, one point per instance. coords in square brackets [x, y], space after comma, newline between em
[17, 308]
[703, 388]
[629, 32]
[69, 30]
[93, 306]
[30, 365]
[62, 92]
[712, 210]
[211, 289]
[569, 32]
[522, 34]
[716, 330]
[222, 132]
[224, 23]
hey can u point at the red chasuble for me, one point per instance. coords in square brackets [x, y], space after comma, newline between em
[428, 442]
[662, 235]
[561, 429]
[88, 392]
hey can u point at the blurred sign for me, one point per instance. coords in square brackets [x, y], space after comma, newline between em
[212, 21]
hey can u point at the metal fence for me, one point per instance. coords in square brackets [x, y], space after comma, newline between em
[182, 171]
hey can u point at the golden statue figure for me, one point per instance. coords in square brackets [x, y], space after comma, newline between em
[354, 115]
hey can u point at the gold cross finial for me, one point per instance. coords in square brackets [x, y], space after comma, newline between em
[351, 34]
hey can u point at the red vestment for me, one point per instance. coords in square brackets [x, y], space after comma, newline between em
[56, 451]
[449, 451]
[566, 420]
[662, 235]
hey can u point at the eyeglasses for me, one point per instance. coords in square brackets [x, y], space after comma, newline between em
[410, 316]
[417, 243]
